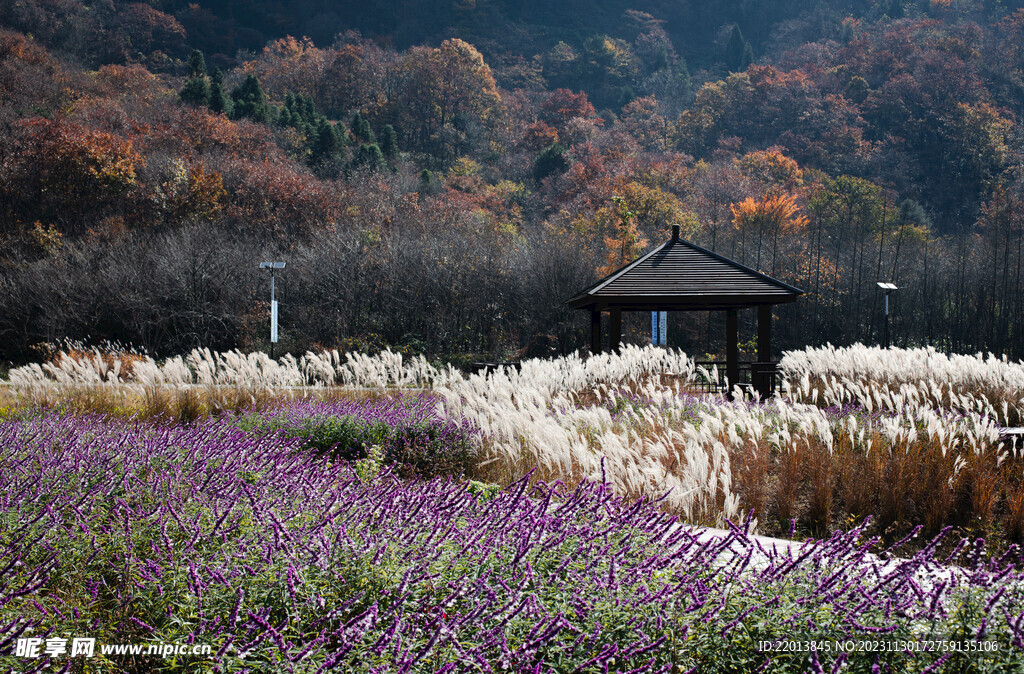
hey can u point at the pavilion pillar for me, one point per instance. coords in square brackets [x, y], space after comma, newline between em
[764, 375]
[764, 333]
[595, 331]
[732, 348]
[615, 330]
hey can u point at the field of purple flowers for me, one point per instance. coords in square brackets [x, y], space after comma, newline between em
[300, 540]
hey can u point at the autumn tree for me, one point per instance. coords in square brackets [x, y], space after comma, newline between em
[66, 174]
[563, 105]
[188, 193]
[772, 169]
[642, 119]
[626, 243]
[442, 95]
[848, 212]
[716, 187]
[772, 215]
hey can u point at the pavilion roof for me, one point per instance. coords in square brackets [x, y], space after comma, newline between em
[682, 276]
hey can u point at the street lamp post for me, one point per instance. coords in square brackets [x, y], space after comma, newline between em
[273, 303]
[888, 288]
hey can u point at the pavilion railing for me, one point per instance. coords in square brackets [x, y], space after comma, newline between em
[753, 376]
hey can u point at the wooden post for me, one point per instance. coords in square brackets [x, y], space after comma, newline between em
[732, 348]
[615, 330]
[595, 331]
[766, 378]
[764, 333]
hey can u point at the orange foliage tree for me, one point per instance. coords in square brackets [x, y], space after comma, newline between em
[626, 243]
[66, 173]
[771, 215]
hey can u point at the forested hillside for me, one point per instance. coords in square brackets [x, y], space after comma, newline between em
[440, 176]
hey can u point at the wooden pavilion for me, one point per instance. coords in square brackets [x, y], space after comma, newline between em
[681, 276]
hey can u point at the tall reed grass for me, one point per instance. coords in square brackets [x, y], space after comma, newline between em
[909, 436]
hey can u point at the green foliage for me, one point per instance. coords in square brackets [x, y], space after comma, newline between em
[428, 183]
[339, 437]
[857, 89]
[369, 468]
[607, 66]
[326, 142]
[370, 157]
[249, 101]
[747, 58]
[389, 142]
[482, 490]
[549, 162]
[417, 448]
[218, 99]
[196, 64]
[196, 92]
[361, 129]
[738, 52]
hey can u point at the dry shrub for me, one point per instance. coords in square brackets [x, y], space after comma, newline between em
[1014, 522]
[788, 485]
[859, 475]
[156, 403]
[126, 359]
[983, 482]
[934, 490]
[752, 472]
[822, 478]
[188, 405]
[897, 481]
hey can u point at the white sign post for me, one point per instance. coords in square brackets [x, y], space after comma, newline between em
[273, 302]
[273, 321]
[659, 328]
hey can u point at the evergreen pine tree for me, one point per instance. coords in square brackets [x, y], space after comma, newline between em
[736, 51]
[389, 141]
[551, 160]
[218, 101]
[196, 64]
[683, 74]
[195, 92]
[748, 57]
[324, 142]
[361, 128]
[340, 135]
[371, 157]
[249, 101]
[427, 183]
